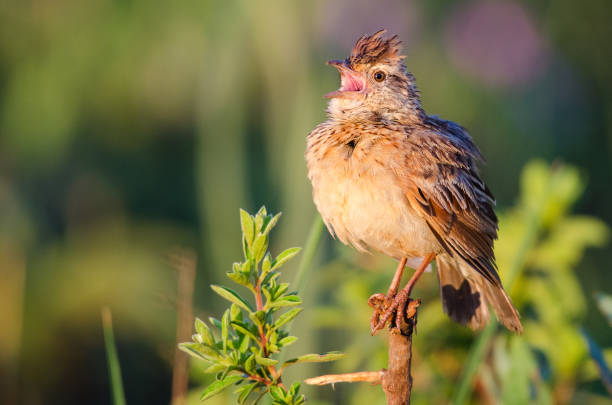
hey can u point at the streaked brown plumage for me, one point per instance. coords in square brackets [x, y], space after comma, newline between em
[386, 176]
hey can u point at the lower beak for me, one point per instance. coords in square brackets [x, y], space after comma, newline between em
[352, 83]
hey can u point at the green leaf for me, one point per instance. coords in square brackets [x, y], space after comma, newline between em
[239, 278]
[244, 343]
[261, 215]
[266, 265]
[231, 296]
[270, 277]
[249, 364]
[246, 266]
[286, 301]
[215, 368]
[285, 256]
[204, 332]
[266, 293]
[245, 249]
[272, 335]
[200, 326]
[235, 313]
[287, 317]
[281, 290]
[214, 322]
[200, 351]
[286, 341]
[271, 223]
[316, 358]
[239, 326]
[277, 393]
[265, 361]
[295, 389]
[260, 247]
[248, 227]
[219, 386]
[244, 392]
[225, 323]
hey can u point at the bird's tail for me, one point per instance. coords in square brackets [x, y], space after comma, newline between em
[466, 296]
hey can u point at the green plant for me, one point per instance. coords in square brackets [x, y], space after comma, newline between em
[250, 335]
[114, 368]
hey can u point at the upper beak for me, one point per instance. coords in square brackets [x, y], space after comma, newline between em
[352, 83]
[336, 63]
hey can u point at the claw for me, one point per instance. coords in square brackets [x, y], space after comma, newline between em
[377, 303]
[387, 308]
[396, 304]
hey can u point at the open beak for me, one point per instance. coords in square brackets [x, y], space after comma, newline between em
[352, 84]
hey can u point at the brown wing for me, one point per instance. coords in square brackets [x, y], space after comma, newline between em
[444, 187]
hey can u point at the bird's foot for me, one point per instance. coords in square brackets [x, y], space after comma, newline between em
[390, 307]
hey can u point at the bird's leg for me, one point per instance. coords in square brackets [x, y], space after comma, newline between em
[397, 278]
[398, 306]
[377, 301]
[404, 296]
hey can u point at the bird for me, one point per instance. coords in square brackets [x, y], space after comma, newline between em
[388, 177]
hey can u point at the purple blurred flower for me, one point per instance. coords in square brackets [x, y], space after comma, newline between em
[495, 42]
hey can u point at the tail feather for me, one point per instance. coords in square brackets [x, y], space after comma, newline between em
[466, 296]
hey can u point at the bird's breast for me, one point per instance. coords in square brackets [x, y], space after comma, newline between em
[358, 194]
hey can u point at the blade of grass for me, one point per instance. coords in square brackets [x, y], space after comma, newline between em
[310, 248]
[114, 369]
[312, 242]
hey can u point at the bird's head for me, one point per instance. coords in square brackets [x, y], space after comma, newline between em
[374, 83]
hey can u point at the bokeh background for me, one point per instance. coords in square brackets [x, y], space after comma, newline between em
[131, 128]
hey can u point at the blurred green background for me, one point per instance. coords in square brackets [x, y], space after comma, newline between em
[129, 128]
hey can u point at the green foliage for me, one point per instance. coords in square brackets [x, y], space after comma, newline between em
[543, 284]
[547, 284]
[243, 347]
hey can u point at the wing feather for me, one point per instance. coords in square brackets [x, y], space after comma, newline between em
[444, 187]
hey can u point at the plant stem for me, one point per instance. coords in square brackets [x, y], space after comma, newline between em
[259, 303]
[262, 333]
[184, 262]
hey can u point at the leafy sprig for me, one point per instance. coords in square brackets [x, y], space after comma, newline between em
[244, 345]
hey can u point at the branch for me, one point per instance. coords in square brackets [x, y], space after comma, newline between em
[374, 377]
[396, 381]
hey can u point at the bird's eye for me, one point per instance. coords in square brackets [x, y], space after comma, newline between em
[379, 76]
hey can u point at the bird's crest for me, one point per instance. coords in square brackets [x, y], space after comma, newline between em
[376, 48]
